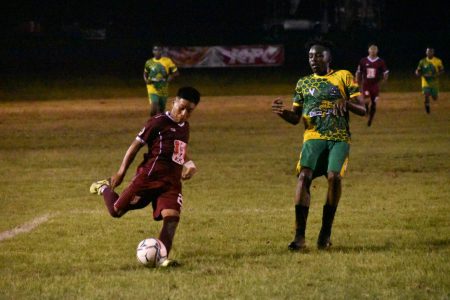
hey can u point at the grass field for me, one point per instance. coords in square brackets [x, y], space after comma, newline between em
[391, 235]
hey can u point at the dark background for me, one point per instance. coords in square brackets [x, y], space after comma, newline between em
[57, 45]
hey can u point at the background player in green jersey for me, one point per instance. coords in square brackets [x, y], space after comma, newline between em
[429, 69]
[323, 100]
[158, 72]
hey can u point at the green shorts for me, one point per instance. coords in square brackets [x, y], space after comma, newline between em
[324, 156]
[430, 91]
[158, 100]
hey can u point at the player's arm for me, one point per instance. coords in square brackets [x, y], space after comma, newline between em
[134, 148]
[146, 79]
[440, 69]
[419, 70]
[356, 105]
[292, 116]
[173, 75]
[358, 75]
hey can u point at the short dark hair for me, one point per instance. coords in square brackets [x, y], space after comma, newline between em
[190, 94]
[319, 42]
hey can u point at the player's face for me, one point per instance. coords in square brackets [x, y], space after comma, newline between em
[430, 52]
[319, 59]
[373, 51]
[157, 52]
[182, 109]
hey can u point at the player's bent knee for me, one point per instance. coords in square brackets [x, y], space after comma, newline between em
[305, 175]
[170, 213]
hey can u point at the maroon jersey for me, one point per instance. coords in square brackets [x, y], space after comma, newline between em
[371, 70]
[167, 145]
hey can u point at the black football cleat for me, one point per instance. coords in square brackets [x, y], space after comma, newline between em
[324, 243]
[297, 244]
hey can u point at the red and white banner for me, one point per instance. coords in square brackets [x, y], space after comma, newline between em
[219, 56]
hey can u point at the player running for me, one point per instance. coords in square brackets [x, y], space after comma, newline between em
[323, 100]
[370, 73]
[430, 68]
[158, 72]
[158, 177]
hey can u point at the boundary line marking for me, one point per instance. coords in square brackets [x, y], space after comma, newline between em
[24, 228]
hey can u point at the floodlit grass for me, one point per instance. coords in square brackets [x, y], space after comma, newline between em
[391, 235]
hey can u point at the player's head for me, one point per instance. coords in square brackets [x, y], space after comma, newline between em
[429, 52]
[319, 56]
[184, 104]
[157, 50]
[373, 50]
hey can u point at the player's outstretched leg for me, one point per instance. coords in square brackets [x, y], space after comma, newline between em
[98, 186]
[102, 187]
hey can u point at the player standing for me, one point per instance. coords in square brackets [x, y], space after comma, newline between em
[158, 177]
[370, 72]
[324, 100]
[158, 72]
[430, 68]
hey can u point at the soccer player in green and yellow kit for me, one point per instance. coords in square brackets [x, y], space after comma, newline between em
[323, 100]
[429, 69]
[158, 72]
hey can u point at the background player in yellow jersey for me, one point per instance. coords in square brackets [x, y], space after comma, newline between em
[323, 100]
[429, 69]
[158, 72]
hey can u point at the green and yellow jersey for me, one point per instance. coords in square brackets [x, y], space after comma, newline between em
[430, 69]
[158, 71]
[316, 95]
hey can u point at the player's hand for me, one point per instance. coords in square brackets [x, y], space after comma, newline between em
[277, 106]
[116, 180]
[340, 107]
[189, 169]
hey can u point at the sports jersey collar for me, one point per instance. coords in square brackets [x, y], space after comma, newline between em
[329, 73]
[373, 59]
[170, 117]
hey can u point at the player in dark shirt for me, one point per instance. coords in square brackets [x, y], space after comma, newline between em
[158, 177]
[370, 72]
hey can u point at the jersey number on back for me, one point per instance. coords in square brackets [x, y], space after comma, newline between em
[179, 151]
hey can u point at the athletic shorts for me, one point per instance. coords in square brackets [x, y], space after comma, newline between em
[430, 91]
[370, 91]
[160, 192]
[324, 156]
[158, 100]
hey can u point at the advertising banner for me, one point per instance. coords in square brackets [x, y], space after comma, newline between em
[233, 56]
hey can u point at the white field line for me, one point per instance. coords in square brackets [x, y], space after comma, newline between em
[24, 228]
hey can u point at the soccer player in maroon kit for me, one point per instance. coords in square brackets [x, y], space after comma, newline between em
[370, 72]
[158, 177]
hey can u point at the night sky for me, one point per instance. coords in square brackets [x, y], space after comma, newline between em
[132, 26]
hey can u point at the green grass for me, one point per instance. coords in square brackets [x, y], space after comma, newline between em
[391, 235]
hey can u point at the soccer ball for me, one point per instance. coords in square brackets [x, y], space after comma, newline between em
[151, 252]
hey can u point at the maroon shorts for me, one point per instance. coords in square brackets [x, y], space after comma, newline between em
[162, 192]
[370, 91]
